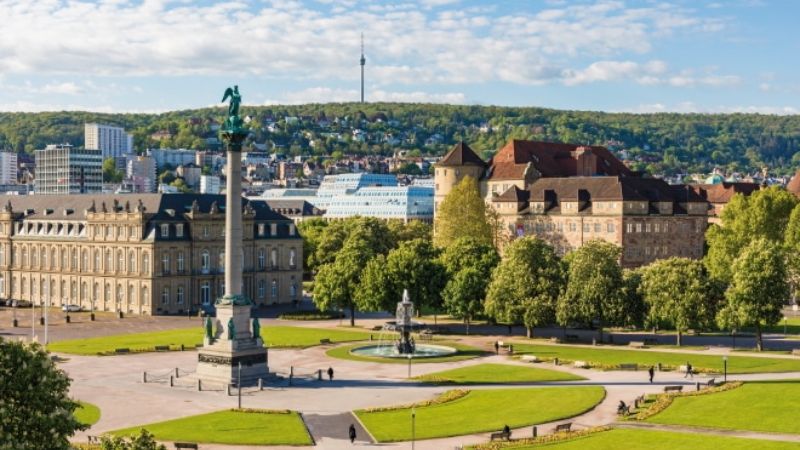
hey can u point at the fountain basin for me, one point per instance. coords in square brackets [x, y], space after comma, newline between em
[390, 351]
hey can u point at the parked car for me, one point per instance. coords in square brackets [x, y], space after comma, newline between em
[71, 308]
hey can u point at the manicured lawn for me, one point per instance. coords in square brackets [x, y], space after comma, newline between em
[755, 406]
[274, 336]
[497, 373]
[464, 352]
[483, 410]
[87, 413]
[619, 439]
[611, 357]
[230, 427]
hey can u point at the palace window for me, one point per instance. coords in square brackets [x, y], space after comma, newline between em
[146, 263]
[164, 230]
[179, 295]
[132, 261]
[273, 229]
[120, 261]
[597, 228]
[262, 288]
[274, 288]
[74, 260]
[273, 259]
[181, 262]
[647, 228]
[145, 296]
[293, 290]
[165, 262]
[165, 296]
[221, 262]
[205, 261]
[262, 259]
[291, 258]
[261, 229]
[638, 227]
[610, 227]
[205, 231]
[179, 230]
[109, 261]
[205, 293]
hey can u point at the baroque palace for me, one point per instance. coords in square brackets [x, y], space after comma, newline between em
[141, 254]
[570, 194]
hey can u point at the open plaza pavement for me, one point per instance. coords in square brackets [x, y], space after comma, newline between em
[114, 383]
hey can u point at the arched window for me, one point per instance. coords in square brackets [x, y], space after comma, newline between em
[3, 287]
[146, 262]
[120, 261]
[95, 293]
[107, 294]
[63, 292]
[109, 261]
[221, 264]
[205, 261]
[145, 296]
[273, 259]
[96, 267]
[262, 289]
[34, 257]
[132, 261]
[262, 259]
[23, 287]
[165, 296]
[131, 294]
[53, 259]
[74, 260]
[43, 257]
[24, 256]
[179, 295]
[85, 261]
[64, 258]
[274, 288]
[84, 293]
[205, 293]
[2, 254]
[291, 258]
[120, 294]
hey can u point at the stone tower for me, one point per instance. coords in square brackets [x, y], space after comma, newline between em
[459, 162]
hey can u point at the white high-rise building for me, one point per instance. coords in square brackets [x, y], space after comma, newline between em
[111, 141]
[141, 173]
[209, 184]
[64, 169]
[8, 168]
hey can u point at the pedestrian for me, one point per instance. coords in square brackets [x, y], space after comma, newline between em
[507, 431]
[352, 433]
[688, 370]
[496, 347]
[330, 373]
[651, 371]
[510, 349]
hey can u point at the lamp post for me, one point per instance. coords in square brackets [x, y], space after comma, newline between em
[413, 426]
[409, 364]
[725, 369]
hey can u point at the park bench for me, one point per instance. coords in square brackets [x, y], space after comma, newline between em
[636, 344]
[571, 338]
[629, 366]
[712, 382]
[325, 341]
[673, 388]
[562, 428]
[580, 365]
[121, 351]
[162, 348]
[529, 358]
[187, 445]
[502, 435]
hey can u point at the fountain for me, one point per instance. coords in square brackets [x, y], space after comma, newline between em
[404, 346]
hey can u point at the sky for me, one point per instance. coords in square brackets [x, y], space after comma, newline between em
[607, 55]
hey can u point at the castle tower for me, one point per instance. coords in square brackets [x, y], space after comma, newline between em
[459, 162]
[363, 61]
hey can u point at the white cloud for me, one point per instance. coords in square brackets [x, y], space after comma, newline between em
[406, 43]
[68, 88]
[691, 107]
[325, 95]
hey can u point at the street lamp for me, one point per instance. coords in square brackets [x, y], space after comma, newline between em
[413, 426]
[725, 369]
[409, 364]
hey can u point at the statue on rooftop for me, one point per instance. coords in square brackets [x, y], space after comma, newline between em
[233, 123]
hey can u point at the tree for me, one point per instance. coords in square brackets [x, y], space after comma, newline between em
[374, 232]
[676, 293]
[758, 289]
[464, 294]
[311, 230]
[634, 309]
[462, 213]
[35, 411]
[143, 441]
[469, 252]
[110, 172]
[594, 288]
[336, 282]
[764, 214]
[414, 229]
[526, 285]
[376, 290]
[791, 242]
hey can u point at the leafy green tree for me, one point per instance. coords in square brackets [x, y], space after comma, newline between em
[526, 285]
[764, 214]
[634, 309]
[143, 441]
[414, 229]
[374, 232]
[110, 172]
[464, 294]
[758, 289]
[676, 293]
[181, 185]
[336, 282]
[376, 291]
[311, 230]
[462, 213]
[594, 293]
[792, 250]
[35, 409]
[469, 252]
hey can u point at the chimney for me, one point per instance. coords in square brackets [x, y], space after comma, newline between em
[585, 162]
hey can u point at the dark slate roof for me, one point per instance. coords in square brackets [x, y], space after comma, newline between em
[461, 155]
[293, 207]
[160, 206]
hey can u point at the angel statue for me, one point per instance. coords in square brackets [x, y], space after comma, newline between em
[234, 122]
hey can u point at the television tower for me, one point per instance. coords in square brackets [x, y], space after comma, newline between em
[362, 67]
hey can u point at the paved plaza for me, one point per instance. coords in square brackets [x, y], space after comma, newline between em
[114, 384]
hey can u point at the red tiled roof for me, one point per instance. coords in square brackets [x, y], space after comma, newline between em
[551, 159]
[724, 192]
[461, 155]
[794, 184]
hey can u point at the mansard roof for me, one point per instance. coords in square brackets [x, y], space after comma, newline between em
[611, 188]
[461, 155]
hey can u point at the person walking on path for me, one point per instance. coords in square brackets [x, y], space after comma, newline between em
[689, 371]
[352, 433]
[507, 431]
[496, 347]
[330, 373]
[651, 372]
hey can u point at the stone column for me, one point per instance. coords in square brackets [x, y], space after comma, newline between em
[233, 218]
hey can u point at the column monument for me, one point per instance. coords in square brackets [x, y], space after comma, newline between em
[233, 337]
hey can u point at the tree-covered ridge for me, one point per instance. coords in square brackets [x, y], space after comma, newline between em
[659, 143]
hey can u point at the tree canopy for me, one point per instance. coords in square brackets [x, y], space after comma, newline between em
[462, 213]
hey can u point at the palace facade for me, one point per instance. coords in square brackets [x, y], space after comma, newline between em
[568, 195]
[141, 253]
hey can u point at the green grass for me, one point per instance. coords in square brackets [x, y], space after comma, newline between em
[608, 357]
[776, 405]
[274, 336]
[464, 352]
[230, 427]
[87, 413]
[497, 373]
[483, 410]
[619, 439]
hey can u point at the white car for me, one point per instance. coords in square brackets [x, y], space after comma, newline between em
[71, 308]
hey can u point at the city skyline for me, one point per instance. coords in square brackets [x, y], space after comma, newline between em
[638, 56]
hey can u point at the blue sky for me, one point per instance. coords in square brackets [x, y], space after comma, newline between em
[640, 56]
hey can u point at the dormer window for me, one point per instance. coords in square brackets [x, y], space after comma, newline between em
[262, 229]
[179, 230]
[273, 229]
[164, 230]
